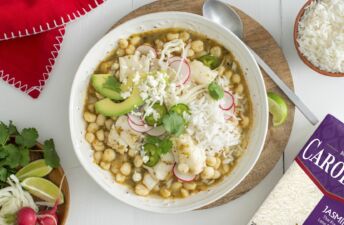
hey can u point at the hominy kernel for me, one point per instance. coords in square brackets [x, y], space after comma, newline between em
[228, 74]
[184, 192]
[176, 186]
[216, 51]
[239, 89]
[197, 46]
[130, 50]
[120, 52]
[100, 120]
[105, 165]
[142, 190]
[126, 169]
[97, 156]
[217, 174]
[137, 177]
[159, 44]
[90, 107]
[211, 161]
[218, 163]
[190, 186]
[131, 152]
[172, 36]
[109, 155]
[245, 121]
[120, 178]
[138, 161]
[89, 117]
[98, 146]
[123, 43]
[108, 123]
[225, 168]
[164, 192]
[207, 173]
[184, 36]
[100, 135]
[135, 40]
[236, 78]
[191, 53]
[90, 137]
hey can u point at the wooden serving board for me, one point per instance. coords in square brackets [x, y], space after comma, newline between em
[264, 45]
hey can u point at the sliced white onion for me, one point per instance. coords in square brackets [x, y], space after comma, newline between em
[157, 131]
[227, 101]
[184, 177]
[138, 128]
[185, 70]
[146, 49]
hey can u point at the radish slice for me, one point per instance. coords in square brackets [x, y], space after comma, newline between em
[229, 113]
[136, 120]
[137, 128]
[227, 101]
[185, 70]
[146, 49]
[182, 176]
[157, 131]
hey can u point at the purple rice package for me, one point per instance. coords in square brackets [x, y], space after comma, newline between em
[312, 190]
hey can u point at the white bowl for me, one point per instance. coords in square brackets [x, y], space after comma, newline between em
[254, 80]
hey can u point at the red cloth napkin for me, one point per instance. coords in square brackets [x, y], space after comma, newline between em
[31, 32]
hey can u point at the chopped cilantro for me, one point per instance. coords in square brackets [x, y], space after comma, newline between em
[215, 91]
[174, 123]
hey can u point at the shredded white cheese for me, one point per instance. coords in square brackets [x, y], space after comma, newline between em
[208, 126]
[321, 35]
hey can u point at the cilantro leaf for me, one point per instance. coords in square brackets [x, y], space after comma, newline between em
[12, 129]
[152, 140]
[24, 156]
[3, 174]
[13, 156]
[50, 155]
[113, 84]
[165, 146]
[3, 153]
[174, 123]
[27, 138]
[215, 91]
[4, 133]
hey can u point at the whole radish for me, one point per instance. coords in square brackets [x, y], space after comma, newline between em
[26, 216]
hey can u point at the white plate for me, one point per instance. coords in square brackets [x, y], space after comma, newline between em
[254, 80]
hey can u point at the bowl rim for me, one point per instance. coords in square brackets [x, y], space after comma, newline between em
[263, 131]
[296, 44]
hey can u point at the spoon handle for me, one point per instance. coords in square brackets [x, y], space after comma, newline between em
[287, 91]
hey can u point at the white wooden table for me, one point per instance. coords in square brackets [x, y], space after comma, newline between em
[90, 205]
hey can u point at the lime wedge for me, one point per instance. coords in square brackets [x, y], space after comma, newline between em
[43, 189]
[278, 108]
[36, 168]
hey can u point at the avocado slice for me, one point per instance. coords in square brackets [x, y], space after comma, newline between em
[98, 81]
[109, 108]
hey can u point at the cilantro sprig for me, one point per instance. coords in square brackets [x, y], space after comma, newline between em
[15, 149]
[174, 123]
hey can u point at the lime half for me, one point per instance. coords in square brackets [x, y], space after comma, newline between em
[43, 189]
[36, 168]
[278, 108]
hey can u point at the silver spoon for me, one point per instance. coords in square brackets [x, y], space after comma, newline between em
[224, 15]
